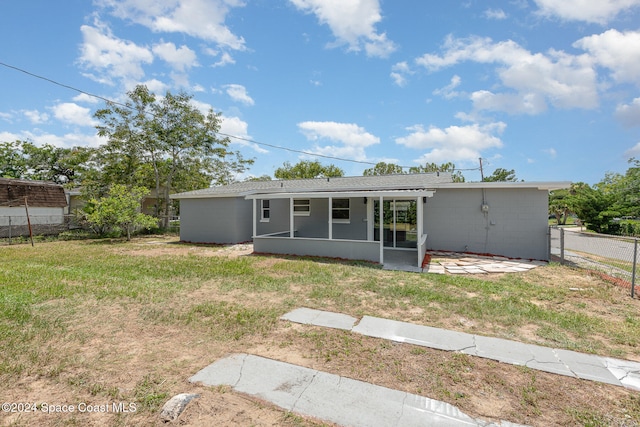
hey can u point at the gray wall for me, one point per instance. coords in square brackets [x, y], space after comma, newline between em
[279, 219]
[368, 251]
[516, 225]
[216, 220]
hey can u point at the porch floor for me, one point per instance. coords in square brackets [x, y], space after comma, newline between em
[395, 259]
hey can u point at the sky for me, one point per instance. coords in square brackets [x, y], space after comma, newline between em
[548, 88]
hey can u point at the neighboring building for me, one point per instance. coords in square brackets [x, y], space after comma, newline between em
[46, 202]
[340, 217]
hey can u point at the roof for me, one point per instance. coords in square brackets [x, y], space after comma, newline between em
[538, 185]
[38, 193]
[341, 184]
[378, 183]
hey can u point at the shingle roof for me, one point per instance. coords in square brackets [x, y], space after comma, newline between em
[38, 193]
[354, 183]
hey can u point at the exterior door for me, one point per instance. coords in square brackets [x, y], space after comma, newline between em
[399, 223]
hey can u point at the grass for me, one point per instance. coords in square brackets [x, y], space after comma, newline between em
[58, 298]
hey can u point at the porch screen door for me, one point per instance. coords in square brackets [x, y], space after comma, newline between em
[399, 225]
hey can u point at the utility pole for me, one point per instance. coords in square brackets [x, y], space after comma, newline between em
[481, 171]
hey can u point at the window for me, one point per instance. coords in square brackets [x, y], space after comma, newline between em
[301, 207]
[265, 211]
[340, 210]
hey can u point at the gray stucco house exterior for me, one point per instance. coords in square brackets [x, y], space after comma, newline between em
[369, 217]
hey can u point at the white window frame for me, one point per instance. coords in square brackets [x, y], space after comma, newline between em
[302, 203]
[334, 209]
[264, 209]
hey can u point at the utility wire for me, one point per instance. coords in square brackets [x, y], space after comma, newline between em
[308, 153]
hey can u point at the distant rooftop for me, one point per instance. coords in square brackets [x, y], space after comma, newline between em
[38, 193]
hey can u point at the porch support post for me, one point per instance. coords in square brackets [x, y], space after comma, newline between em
[255, 217]
[420, 214]
[291, 225]
[381, 230]
[370, 215]
[330, 218]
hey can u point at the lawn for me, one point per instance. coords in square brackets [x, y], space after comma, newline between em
[103, 322]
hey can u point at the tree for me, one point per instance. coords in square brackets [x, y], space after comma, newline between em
[501, 175]
[382, 168]
[456, 176]
[307, 169]
[259, 178]
[25, 160]
[120, 209]
[559, 205]
[593, 207]
[12, 161]
[167, 142]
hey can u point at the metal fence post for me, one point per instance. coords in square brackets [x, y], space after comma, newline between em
[633, 272]
[561, 246]
[9, 230]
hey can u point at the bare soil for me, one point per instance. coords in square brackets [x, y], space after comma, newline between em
[114, 353]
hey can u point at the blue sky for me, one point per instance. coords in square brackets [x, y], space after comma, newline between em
[549, 88]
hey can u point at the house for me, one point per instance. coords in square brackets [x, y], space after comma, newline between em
[373, 217]
[46, 203]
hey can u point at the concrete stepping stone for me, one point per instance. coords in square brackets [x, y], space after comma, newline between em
[330, 397]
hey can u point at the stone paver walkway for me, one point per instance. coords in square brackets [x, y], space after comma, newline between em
[459, 263]
[591, 367]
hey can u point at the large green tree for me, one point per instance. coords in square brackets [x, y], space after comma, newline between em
[25, 160]
[594, 207]
[502, 175]
[307, 169]
[456, 175]
[383, 168]
[165, 141]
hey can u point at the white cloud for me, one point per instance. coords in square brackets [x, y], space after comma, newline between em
[239, 128]
[631, 152]
[352, 139]
[203, 19]
[110, 56]
[225, 59]
[73, 113]
[566, 81]
[352, 22]
[67, 140]
[239, 93]
[448, 91]
[617, 51]
[594, 11]
[629, 114]
[399, 73]
[35, 116]
[180, 59]
[83, 97]
[497, 14]
[513, 103]
[455, 143]
[551, 152]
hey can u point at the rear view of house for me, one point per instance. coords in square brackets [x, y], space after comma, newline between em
[373, 217]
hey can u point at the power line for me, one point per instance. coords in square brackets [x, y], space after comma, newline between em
[308, 153]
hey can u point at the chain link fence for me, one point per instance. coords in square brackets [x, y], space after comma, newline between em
[17, 226]
[611, 256]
